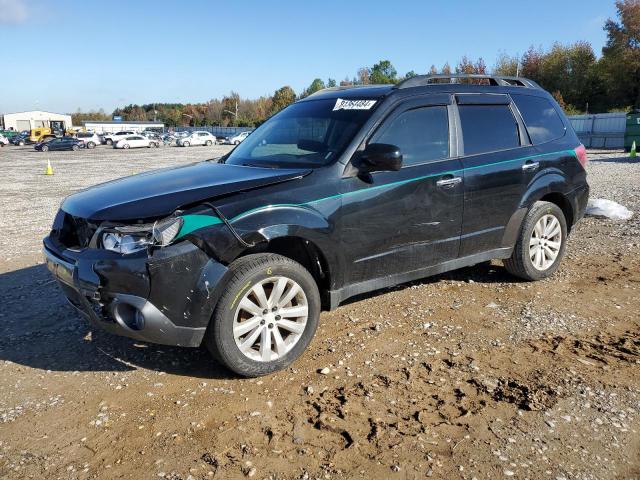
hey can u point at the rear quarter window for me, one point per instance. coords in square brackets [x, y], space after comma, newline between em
[540, 118]
[488, 128]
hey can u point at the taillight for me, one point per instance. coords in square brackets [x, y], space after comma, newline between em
[581, 155]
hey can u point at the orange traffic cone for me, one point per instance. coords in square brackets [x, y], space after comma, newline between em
[49, 170]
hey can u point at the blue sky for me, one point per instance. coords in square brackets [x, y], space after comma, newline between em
[87, 54]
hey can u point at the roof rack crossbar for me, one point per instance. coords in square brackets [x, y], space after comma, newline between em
[495, 80]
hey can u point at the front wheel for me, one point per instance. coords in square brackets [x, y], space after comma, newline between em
[185, 144]
[267, 316]
[75, 148]
[126, 146]
[45, 148]
[541, 243]
[208, 143]
[109, 141]
[91, 145]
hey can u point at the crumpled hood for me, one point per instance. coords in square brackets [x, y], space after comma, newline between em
[160, 192]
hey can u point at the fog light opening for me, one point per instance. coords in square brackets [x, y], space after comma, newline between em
[128, 316]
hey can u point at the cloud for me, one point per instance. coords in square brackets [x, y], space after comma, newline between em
[13, 11]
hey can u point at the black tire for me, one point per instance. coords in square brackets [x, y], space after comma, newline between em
[520, 263]
[91, 145]
[109, 141]
[45, 148]
[186, 144]
[246, 272]
[75, 148]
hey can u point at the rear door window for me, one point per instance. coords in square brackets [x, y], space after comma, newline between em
[488, 128]
[540, 118]
[422, 134]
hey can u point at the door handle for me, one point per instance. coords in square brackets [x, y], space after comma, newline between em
[530, 166]
[449, 182]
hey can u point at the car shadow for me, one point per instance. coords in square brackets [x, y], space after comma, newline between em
[41, 330]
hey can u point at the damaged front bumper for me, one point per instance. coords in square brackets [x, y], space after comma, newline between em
[166, 297]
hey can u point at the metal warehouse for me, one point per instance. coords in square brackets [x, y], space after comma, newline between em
[113, 127]
[35, 119]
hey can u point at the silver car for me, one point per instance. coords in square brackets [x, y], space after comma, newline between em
[197, 138]
[91, 140]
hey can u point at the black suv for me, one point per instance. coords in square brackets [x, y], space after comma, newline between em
[346, 191]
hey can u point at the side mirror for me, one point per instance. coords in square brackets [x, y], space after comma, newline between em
[380, 157]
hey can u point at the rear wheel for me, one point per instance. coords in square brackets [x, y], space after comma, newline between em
[75, 148]
[109, 141]
[267, 316]
[185, 144]
[45, 148]
[126, 146]
[91, 145]
[541, 243]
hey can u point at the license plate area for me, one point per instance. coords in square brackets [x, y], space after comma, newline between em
[61, 270]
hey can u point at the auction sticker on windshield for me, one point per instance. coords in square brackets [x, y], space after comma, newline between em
[342, 104]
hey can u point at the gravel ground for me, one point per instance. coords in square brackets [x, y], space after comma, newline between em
[465, 375]
[31, 199]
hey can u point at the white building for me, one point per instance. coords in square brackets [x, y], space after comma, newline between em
[113, 127]
[27, 120]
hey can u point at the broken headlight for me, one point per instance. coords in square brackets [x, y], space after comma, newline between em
[133, 238]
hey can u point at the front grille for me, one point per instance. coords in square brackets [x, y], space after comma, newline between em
[76, 232]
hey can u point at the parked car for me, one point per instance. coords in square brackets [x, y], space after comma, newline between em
[111, 138]
[64, 143]
[196, 138]
[236, 139]
[47, 138]
[154, 137]
[21, 140]
[392, 184]
[3, 141]
[90, 139]
[136, 141]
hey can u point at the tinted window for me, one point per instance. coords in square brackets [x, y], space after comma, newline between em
[488, 128]
[422, 134]
[541, 119]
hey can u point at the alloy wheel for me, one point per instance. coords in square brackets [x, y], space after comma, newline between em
[545, 242]
[270, 319]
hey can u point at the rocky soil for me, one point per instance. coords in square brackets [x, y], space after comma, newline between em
[471, 374]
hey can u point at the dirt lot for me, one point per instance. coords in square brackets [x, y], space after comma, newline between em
[465, 375]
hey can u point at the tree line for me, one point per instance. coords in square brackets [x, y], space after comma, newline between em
[577, 78]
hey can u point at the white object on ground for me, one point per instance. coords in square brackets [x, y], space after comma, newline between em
[599, 207]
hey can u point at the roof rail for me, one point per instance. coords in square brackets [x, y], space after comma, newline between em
[495, 80]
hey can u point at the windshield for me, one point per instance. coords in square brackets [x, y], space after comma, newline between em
[305, 134]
